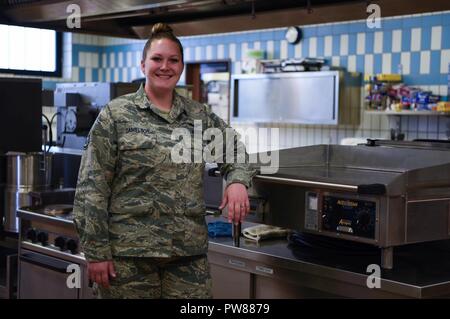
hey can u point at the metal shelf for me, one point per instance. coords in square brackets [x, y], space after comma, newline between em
[413, 113]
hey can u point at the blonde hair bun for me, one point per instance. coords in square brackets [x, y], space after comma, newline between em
[162, 31]
[161, 28]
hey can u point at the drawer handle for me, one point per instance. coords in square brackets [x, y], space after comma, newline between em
[266, 270]
[236, 263]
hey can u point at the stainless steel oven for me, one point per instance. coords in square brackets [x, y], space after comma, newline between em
[44, 277]
[50, 263]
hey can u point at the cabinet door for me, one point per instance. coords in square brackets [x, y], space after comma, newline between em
[269, 288]
[230, 283]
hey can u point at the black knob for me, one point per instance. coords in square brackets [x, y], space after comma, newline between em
[31, 235]
[42, 237]
[326, 221]
[60, 242]
[72, 245]
[363, 221]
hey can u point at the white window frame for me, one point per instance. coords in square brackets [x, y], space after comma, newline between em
[30, 51]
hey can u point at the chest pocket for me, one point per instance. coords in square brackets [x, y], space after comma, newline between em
[140, 155]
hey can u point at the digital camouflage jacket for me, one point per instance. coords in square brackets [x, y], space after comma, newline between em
[132, 199]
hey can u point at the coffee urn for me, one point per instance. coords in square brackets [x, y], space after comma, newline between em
[26, 172]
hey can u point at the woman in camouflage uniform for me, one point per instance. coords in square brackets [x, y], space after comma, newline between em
[140, 215]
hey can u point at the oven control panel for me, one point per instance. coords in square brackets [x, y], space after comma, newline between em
[52, 240]
[349, 216]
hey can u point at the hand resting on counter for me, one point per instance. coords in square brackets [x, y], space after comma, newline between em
[236, 197]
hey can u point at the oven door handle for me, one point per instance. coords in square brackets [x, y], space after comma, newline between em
[46, 262]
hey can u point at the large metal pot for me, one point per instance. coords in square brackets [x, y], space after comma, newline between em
[26, 172]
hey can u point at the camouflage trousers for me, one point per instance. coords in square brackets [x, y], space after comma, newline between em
[167, 278]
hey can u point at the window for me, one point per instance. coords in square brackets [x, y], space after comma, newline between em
[30, 51]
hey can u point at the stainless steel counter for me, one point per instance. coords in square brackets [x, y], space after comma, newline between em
[422, 270]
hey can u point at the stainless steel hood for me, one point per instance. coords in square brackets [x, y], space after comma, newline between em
[134, 18]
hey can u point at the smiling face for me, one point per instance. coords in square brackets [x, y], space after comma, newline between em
[162, 66]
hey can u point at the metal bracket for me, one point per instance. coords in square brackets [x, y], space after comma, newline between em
[308, 7]
[253, 10]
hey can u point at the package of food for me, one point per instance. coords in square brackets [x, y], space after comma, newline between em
[389, 77]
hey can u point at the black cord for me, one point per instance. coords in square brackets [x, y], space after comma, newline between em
[50, 132]
[46, 118]
[51, 125]
[53, 117]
